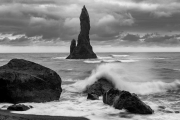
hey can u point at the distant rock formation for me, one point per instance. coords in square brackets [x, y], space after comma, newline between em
[73, 46]
[26, 81]
[83, 50]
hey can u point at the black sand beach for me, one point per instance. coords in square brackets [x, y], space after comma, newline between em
[7, 115]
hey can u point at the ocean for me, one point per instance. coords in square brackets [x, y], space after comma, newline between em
[154, 77]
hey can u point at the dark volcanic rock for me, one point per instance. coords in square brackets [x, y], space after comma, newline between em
[110, 96]
[73, 46]
[19, 107]
[93, 97]
[118, 99]
[83, 50]
[125, 100]
[99, 87]
[25, 81]
[176, 112]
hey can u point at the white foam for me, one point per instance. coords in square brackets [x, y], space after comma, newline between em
[79, 106]
[110, 61]
[158, 116]
[131, 60]
[59, 58]
[93, 110]
[133, 78]
[3, 106]
[119, 55]
[92, 61]
[102, 58]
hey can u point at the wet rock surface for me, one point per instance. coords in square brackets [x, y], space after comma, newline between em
[19, 107]
[116, 98]
[126, 100]
[26, 81]
[99, 87]
[93, 97]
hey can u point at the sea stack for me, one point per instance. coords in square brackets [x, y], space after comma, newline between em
[83, 49]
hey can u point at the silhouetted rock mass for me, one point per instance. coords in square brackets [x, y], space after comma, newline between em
[73, 46]
[100, 87]
[26, 81]
[19, 107]
[83, 50]
[117, 98]
[126, 100]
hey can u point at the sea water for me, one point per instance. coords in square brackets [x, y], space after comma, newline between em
[154, 77]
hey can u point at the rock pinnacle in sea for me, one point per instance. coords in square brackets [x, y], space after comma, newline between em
[83, 49]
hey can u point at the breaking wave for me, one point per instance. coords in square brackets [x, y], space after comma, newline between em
[119, 55]
[92, 61]
[136, 78]
[99, 57]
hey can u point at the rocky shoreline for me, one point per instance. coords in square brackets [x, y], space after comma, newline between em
[19, 76]
[7, 115]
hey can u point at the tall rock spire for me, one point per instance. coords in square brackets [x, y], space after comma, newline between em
[85, 27]
[83, 50]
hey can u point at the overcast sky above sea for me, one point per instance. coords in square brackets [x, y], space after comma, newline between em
[116, 25]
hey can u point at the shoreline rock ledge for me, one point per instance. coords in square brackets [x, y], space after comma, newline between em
[83, 49]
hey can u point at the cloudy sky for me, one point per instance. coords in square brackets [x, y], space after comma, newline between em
[116, 25]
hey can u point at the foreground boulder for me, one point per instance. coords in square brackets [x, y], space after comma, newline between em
[19, 107]
[25, 81]
[99, 87]
[125, 100]
[83, 49]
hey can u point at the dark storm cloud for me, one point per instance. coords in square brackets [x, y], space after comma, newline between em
[22, 41]
[59, 19]
[131, 37]
[28, 1]
[35, 20]
[153, 39]
[163, 40]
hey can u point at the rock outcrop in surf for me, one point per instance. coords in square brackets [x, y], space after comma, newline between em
[83, 49]
[26, 81]
[126, 100]
[116, 98]
[19, 107]
[99, 87]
